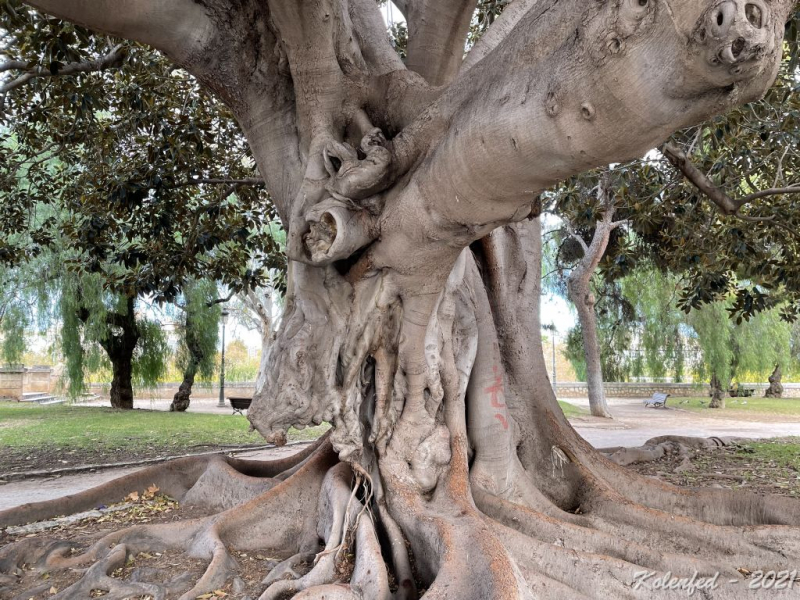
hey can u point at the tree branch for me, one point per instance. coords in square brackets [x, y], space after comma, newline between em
[498, 30]
[257, 181]
[437, 32]
[701, 181]
[12, 65]
[111, 60]
[179, 28]
[220, 300]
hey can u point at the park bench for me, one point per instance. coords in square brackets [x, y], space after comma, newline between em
[239, 404]
[658, 400]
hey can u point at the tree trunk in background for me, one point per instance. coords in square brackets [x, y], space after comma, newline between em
[180, 402]
[584, 301]
[717, 393]
[121, 383]
[775, 389]
[120, 343]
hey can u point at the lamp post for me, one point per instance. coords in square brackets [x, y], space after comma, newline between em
[224, 319]
[551, 327]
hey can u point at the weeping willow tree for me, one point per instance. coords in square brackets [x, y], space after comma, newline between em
[198, 337]
[731, 349]
[101, 328]
[660, 325]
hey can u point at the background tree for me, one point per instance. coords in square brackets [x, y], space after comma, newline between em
[408, 191]
[117, 162]
[199, 329]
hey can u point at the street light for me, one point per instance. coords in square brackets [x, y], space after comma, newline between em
[224, 319]
[552, 328]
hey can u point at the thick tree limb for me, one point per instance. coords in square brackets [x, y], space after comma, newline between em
[176, 27]
[437, 32]
[498, 31]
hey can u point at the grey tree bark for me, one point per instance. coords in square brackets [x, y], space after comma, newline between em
[411, 320]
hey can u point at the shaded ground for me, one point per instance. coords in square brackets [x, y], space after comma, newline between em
[168, 567]
[763, 466]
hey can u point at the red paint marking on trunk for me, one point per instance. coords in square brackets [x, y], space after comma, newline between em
[495, 390]
[503, 420]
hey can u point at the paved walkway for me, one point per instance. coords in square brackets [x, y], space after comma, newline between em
[633, 424]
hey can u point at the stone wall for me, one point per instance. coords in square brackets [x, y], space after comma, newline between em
[199, 390]
[39, 379]
[11, 382]
[680, 390]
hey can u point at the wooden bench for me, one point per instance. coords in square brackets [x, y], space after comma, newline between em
[239, 404]
[658, 400]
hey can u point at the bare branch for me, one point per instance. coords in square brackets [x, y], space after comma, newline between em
[111, 60]
[792, 189]
[580, 241]
[220, 300]
[13, 64]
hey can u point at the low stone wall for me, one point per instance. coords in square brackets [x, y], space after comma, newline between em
[11, 382]
[679, 390]
[38, 379]
[199, 390]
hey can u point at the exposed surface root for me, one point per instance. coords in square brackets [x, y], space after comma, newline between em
[220, 482]
[657, 447]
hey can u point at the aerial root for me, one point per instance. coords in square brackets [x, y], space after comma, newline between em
[345, 524]
[406, 586]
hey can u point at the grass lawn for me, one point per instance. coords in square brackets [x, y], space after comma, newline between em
[570, 410]
[108, 435]
[774, 406]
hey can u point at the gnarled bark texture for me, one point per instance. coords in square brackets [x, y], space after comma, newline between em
[411, 319]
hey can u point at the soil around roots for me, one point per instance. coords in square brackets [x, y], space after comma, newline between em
[306, 527]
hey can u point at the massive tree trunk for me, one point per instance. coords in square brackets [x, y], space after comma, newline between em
[119, 344]
[411, 320]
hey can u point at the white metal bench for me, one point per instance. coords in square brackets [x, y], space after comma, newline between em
[659, 400]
